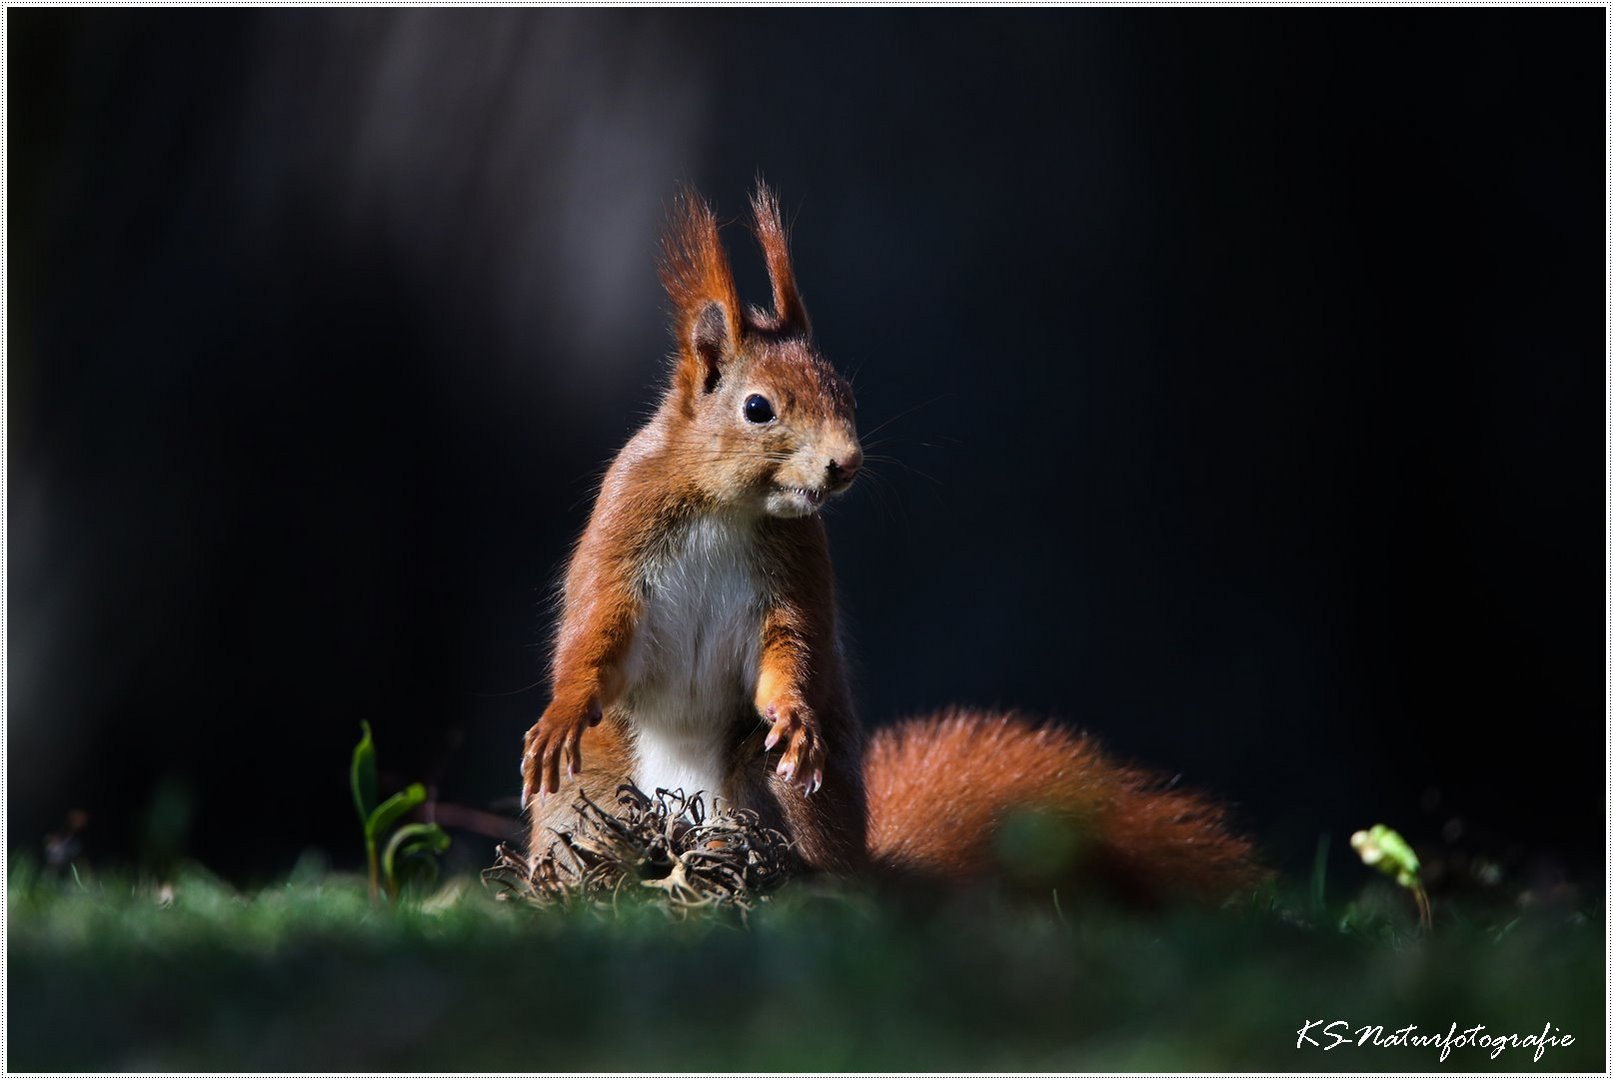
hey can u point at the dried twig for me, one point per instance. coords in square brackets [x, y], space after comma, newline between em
[666, 843]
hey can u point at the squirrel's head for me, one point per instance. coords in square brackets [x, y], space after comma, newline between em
[763, 421]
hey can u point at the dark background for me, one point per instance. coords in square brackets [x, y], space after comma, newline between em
[1246, 369]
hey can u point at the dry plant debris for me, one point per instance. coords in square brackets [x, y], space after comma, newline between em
[664, 847]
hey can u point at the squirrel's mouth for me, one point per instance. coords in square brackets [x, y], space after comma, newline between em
[789, 501]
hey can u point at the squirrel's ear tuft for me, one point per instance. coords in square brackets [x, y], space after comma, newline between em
[788, 311]
[705, 302]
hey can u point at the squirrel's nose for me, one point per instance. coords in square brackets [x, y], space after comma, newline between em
[842, 468]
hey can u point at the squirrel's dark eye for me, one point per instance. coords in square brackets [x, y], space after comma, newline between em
[758, 410]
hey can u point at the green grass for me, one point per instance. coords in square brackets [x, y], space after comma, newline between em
[309, 976]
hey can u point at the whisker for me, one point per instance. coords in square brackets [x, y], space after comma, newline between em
[890, 494]
[527, 689]
[942, 441]
[888, 460]
[882, 497]
[908, 412]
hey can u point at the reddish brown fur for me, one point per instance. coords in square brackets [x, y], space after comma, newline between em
[940, 789]
[788, 311]
[802, 687]
[689, 460]
[930, 795]
[695, 271]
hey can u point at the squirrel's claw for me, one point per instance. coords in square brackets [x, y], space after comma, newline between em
[554, 740]
[533, 762]
[802, 760]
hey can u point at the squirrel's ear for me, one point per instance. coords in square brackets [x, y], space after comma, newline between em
[788, 310]
[705, 302]
[709, 342]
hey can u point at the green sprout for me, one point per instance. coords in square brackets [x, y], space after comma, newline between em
[411, 850]
[1382, 847]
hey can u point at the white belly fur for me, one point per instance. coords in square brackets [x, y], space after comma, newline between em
[692, 666]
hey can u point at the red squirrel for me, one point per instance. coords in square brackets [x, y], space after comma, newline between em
[698, 647]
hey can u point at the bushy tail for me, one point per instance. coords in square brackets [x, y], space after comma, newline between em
[966, 795]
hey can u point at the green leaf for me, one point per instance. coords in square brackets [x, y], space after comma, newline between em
[412, 841]
[1319, 875]
[1386, 849]
[363, 777]
[383, 816]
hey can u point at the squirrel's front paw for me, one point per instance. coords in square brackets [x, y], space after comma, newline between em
[557, 736]
[797, 728]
